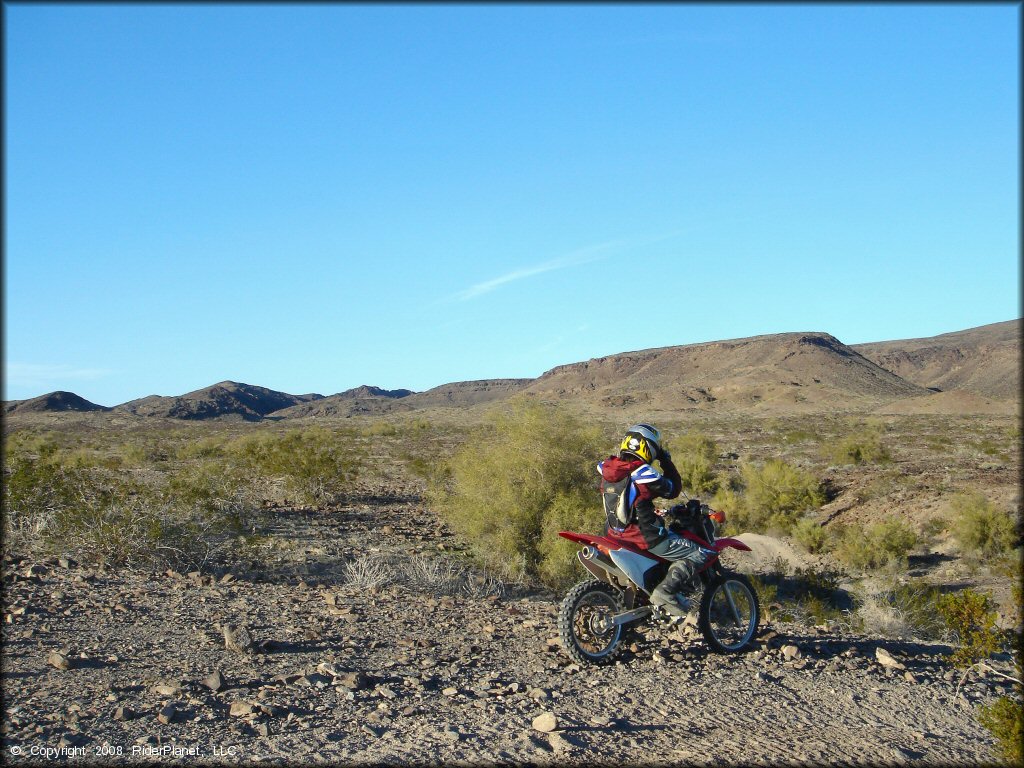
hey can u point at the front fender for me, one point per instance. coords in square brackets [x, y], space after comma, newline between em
[727, 542]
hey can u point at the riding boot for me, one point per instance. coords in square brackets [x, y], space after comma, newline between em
[666, 594]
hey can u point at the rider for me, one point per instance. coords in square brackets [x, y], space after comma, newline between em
[629, 485]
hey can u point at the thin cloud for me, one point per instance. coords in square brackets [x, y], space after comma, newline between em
[34, 374]
[574, 259]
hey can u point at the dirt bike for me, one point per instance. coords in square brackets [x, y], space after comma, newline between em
[596, 613]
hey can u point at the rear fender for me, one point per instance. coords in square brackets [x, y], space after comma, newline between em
[718, 545]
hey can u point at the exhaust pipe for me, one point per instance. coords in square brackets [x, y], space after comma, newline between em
[588, 552]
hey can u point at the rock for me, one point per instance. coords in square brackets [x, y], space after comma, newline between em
[124, 713]
[237, 639]
[34, 571]
[450, 691]
[166, 690]
[545, 722]
[790, 652]
[450, 734]
[886, 660]
[215, 682]
[167, 714]
[354, 681]
[242, 708]
[58, 659]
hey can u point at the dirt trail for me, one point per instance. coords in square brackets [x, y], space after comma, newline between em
[409, 674]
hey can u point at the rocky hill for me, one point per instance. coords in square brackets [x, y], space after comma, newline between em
[800, 371]
[52, 402]
[358, 400]
[984, 360]
[467, 393]
[226, 399]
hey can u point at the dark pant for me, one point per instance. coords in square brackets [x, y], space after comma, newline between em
[686, 558]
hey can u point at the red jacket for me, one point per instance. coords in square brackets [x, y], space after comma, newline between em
[646, 528]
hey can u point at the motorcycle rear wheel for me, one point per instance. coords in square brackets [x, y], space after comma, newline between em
[584, 622]
[729, 614]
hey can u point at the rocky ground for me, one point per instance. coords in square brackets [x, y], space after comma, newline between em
[350, 647]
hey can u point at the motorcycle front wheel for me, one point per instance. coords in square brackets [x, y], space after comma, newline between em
[585, 623]
[729, 614]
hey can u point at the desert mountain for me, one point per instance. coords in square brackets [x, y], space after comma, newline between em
[984, 360]
[368, 391]
[803, 371]
[977, 370]
[466, 393]
[54, 401]
[228, 398]
[373, 400]
[358, 400]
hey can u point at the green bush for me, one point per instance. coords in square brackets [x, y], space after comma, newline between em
[811, 535]
[980, 526]
[902, 609]
[528, 473]
[694, 455]
[94, 516]
[809, 594]
[863, 447]
[774, 496]
[878, 545]
[1004, 718]
[971, 618]
[315, 464]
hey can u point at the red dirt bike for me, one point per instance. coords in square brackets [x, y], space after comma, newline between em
[595, 613]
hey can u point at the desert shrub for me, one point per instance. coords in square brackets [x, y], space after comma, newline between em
[799, 435]
[379, 429]
[811, 535]
[980, 526]
[893, 609]
[1004, 718]
[445, 576]
[95, 516]
[694, 455]
[314, 463]
[876, 546]
[971, 618]
[862, 447]
[528, 473]
[221, 493]
[203, 448]
[369, 571]
[806, 593]
[774, 497]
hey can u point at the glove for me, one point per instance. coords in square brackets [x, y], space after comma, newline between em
[664, 456]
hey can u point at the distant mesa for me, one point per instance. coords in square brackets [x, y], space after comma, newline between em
[983, 360]
[796, 371]
[53, 402]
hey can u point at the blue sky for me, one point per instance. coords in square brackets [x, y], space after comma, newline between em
[314, 197]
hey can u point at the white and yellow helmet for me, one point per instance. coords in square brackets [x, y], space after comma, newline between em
[642, 441]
